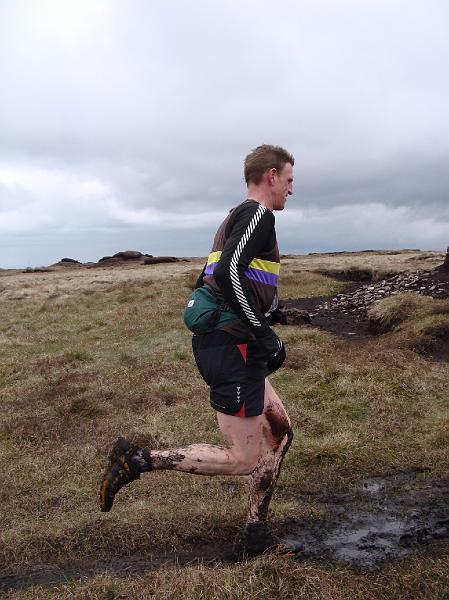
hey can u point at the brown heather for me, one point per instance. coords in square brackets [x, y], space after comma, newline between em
[91, 354]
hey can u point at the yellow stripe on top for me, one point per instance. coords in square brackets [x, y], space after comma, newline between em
[257, 263]
[265, 265]
[213, 257]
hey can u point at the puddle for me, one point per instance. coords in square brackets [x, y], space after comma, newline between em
[376, 523]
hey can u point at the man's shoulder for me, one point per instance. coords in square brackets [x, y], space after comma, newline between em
[249, 208]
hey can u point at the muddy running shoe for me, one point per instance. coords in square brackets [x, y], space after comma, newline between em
[119, 472]
[256, 539]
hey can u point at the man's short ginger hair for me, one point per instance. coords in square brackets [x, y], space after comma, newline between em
[262, 159]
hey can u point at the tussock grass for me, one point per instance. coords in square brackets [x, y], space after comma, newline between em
[92, 366]
[296, 283]
[391, 311]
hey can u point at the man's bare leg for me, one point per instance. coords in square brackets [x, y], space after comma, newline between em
[127, 461]
[244, 436]
[276, 440]
[257, 446]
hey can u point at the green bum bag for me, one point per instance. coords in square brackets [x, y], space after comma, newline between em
[204, 313]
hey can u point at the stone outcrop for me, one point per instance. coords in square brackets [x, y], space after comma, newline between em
[119, 259]
[135, 257]
[70, 260]
[127, 255]
[154, 260]
[67, 262]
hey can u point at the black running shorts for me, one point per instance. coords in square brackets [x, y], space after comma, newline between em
[234, 369]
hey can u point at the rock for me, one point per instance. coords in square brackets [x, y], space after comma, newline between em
[70, 260]
[126, 255]
[68, 263]
[154, 260]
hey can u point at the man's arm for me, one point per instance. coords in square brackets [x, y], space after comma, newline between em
[252, 228]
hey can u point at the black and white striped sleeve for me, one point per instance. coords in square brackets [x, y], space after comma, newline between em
[251, 229]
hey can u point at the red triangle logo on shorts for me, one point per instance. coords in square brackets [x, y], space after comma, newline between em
[241, 412]
[242, 348]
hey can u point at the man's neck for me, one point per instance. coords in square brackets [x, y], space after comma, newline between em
[260, 195]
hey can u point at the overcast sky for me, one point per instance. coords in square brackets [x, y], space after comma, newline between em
[124, 124]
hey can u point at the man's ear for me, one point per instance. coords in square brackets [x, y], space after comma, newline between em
[270, 175]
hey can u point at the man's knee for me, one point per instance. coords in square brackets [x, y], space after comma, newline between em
[279, 428]
[245, 465]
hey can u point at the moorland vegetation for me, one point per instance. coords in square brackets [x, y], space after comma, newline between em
[90, 354]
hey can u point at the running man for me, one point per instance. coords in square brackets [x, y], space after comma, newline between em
[242, 270]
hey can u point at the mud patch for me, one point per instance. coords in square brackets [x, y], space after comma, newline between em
[353, 326]
[50, 575]
[377, 522]
[380, 519]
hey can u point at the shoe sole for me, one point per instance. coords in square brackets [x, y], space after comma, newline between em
[117, 463]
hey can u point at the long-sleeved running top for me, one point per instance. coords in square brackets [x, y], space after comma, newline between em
[244, 267]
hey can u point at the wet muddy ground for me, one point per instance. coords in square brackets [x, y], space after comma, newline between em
[379, 519]
[136, 564]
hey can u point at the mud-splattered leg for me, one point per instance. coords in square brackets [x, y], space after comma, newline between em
[277, 437]
[243, 436]
[127, 460]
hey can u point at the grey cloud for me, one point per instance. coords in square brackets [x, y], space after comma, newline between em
[423, 184]
[158, 103]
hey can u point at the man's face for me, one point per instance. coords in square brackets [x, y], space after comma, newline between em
[282, 186]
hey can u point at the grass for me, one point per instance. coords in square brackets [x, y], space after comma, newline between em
[361, 273]
[262, 579]
[90, 355]
[389, 313]
[296, 283]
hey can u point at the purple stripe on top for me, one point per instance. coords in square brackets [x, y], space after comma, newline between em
[210, 268]
[261, 276]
